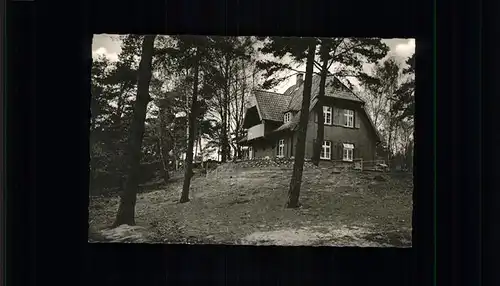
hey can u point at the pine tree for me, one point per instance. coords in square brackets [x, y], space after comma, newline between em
[300, 50]
[126, 209]
[298, 165]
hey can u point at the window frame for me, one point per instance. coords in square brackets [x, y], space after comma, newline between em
[347, 149]
[349, 114]
[327, 110]
[326, 144]
[287, 117]
[281, 148]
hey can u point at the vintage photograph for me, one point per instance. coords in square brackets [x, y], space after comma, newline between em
[251, 140]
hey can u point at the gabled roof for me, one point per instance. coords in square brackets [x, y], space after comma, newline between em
[334, 88]
[291, 89]
[379, 136]
[271, 105]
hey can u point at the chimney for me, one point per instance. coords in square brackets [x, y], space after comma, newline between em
[300, 79]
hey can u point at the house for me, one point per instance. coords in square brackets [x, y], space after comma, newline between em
[272, 121]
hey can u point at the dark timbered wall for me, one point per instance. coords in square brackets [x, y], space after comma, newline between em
[361, 135]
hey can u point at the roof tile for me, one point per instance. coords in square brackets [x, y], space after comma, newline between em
[290, 125]
[334, 88]
[271, 105]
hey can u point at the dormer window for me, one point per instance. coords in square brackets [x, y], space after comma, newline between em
[287, 117]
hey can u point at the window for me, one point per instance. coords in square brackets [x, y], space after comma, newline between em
[327, 114]
[348, 152]
[326, 150]
[286, 117]
[250, 152]
[348, 118]
[281, 148]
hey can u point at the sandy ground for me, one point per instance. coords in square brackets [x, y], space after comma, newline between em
[246, 206]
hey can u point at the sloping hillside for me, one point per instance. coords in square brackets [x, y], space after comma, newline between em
[243, 203]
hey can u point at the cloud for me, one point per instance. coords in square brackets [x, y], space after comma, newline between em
[103, 51]
[405, 50]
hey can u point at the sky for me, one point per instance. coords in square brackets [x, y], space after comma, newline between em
[109, 45]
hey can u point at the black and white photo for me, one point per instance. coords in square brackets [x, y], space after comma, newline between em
[252, 140]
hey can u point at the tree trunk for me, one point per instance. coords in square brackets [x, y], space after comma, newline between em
[228, 107]
[389, 143]
[228, 128]
[164, 144]
[199, 147]
[242, 109]
[226, 120]
[188, 168]
[239, 127]
[298, 165]
[223, 139]
[126, 209]
[236, 116]
[165, 159]
[394, 139]
[321, 126]
[187, 111]
[195, 148]
[164, 162]
[409, 155]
